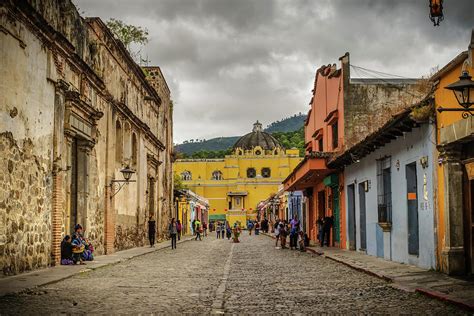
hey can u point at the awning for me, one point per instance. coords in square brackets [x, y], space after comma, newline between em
[217, 217]
[308, 173]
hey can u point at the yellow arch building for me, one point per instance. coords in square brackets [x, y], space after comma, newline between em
[234, 185]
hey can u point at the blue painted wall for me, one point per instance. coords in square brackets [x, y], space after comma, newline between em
[394, 245]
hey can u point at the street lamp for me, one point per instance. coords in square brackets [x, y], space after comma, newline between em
[464, 92]
[127, 175]
[436, 11]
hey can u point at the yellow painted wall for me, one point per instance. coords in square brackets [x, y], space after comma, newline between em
[445, 98]
[234, 169]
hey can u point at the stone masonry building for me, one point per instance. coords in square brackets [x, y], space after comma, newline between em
[75, 109]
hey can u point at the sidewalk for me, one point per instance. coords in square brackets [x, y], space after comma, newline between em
[457, 291]
[25, 281]
[405, 277]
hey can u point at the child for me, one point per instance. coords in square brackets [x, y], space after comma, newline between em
[301, 241]
[66, 251]
[77, 245]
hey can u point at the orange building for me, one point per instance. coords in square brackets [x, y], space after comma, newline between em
[324, 128]
[455, 142]
[344, 110]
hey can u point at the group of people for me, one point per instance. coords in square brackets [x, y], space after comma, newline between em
[223, 229]
[283, 229]
[76, 249]
[253, 225]
[174, 231]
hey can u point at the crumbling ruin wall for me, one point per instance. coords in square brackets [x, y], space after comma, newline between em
[25, 207]
[370, 105]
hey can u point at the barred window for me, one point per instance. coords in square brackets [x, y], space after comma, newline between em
[217, 175]
[186, 175]
[251, 173]
[384, 190]
[266, 172]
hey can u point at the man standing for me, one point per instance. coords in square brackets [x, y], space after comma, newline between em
[218, 230]
[173, 231]
[328, 222]
[197, 226]
[193, 226]
[151, 230]
[295, 227]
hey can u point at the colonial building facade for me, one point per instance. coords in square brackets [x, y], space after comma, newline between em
[389, 189]
[76, 110]
[455, 169]
[236, 184]
[343, 111]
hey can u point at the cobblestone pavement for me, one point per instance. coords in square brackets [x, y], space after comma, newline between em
[216, 276]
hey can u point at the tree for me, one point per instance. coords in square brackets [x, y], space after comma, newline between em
[177, 182]
[129, 34]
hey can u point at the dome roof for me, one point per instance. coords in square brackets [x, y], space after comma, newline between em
[257, 138]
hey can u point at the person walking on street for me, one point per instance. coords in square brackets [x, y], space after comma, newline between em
[151, 230]
[193, 227]
[218, 230]
[204, 229]
[250, 227]
[180, 228]
[173, 231]
[228, 231]
[276, 229]
[198, 228]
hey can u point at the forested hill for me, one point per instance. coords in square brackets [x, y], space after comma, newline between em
[289, 124]
[218, 146]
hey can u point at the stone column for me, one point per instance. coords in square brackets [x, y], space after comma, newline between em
[453, 256]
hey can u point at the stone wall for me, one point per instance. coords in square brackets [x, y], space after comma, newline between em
[370, 103]
[25, 204]
[68, 81]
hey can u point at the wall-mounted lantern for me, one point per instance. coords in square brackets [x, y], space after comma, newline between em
[436, 11]
[464, 92]
[127, 175]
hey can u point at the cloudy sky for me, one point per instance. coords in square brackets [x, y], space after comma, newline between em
[231, 62]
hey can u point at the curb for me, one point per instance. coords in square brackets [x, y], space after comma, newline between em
[89, 269]
[445, 298]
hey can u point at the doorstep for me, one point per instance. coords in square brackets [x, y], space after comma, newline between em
[21, 282]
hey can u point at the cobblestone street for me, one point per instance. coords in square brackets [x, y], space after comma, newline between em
[216, 276]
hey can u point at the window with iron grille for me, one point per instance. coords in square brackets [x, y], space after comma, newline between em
[251, 173]
[266, 172]
[384, 190]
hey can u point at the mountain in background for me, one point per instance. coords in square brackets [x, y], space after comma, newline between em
[195, 147]
[289, 124]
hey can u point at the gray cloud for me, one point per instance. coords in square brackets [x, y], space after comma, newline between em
[229, 63]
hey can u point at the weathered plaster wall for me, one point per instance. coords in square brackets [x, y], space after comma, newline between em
[26, 128]
[56, 65]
